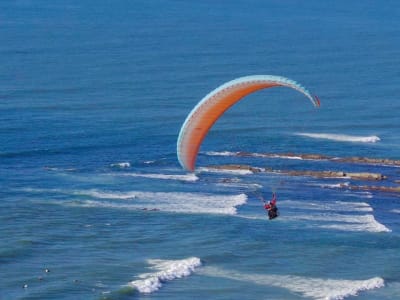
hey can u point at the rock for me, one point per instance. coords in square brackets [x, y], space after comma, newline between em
[366, 176]
[318, 174]
[390, 189]
[235, 168]
[337, 174]
[354, 159]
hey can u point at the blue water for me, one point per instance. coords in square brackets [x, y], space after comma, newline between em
[92, 97]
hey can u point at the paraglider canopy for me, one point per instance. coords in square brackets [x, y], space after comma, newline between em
[212, 106]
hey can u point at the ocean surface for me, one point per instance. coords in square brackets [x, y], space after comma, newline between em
[93, 201]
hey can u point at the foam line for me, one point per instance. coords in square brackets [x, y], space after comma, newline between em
[121, 165]
[328, 206]
[165, 270]
[342, 137]
[332, 215]
[314, 288]
[346, 222]
[188, 177]
[224, 171]
[164, 201]
[222, 153]
[107, 195]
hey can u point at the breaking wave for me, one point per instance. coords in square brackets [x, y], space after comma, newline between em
[187, 177]
[222, 153]
[329, 206]
[163, 201]
[338, 215]
[164, 270]
[225, 171]
[342, 137]
[121, 165]
[314, 288]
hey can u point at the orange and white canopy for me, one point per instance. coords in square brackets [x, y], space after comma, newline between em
[211, 107]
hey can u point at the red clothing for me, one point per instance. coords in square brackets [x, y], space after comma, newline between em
[273, 200]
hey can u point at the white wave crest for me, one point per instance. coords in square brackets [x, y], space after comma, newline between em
[396, 211]
[222, 153]
[107, 194]
[332, 215]
[314, 288]
[165, 201]
[121, 165]
[225, 171]
[165, 270]
[342, 137]
[251, 186]
[328, 206]
[347, 222]
[187, 177]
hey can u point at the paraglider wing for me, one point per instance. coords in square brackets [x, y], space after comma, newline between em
[211, 107]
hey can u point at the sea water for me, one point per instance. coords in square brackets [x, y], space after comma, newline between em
[94, 204]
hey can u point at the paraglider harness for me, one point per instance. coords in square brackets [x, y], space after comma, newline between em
[271, 207]
[273, 212]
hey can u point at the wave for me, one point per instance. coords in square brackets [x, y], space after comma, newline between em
[221, 153]
[359, 194]
[332, 215]
[337, 215]
[106, 195]
[346, 222]
[250, 154]
[188, 177]
[329, 206]
[314, 288]
[249, 186]
[341, 137]
[163, 201]
[396, 211]
[165, 270]
[225, 171]
[121, 165]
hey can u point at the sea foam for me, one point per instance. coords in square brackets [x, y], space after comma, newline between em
[342, 137]
[338, 215]
[186, 177]
[164, 201]
[225, 171]
[221, 153]
[121, 165]
[164, 270]
[314, 288]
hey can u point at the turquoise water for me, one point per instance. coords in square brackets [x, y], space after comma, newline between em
[92, 97]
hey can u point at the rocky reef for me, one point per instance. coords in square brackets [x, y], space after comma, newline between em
[318, 174]
[383, 183]
[354, 159]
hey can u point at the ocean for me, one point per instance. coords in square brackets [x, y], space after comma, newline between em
[94, 203]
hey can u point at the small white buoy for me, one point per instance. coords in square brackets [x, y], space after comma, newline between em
[25, 286]
[47, 270]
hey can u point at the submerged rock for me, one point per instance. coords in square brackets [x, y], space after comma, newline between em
[362, 176]
[319, 174]
[310, 156]
[390, 189]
